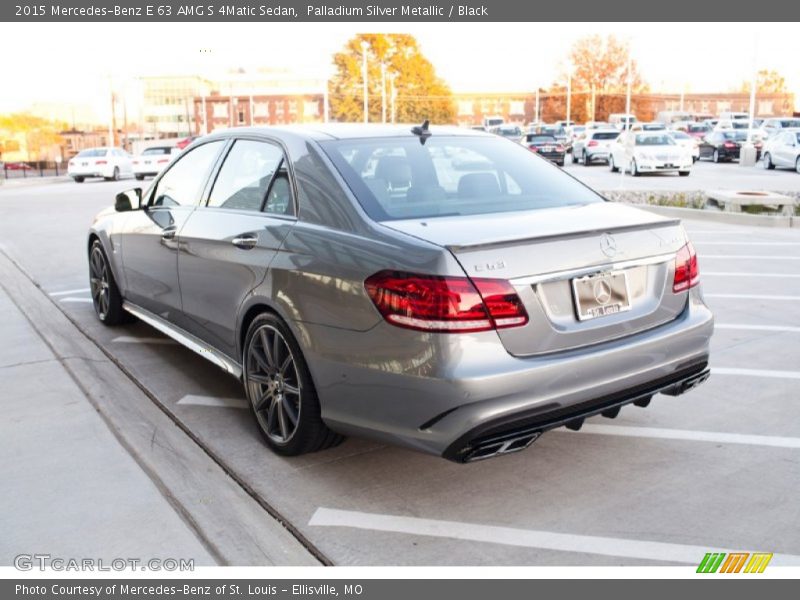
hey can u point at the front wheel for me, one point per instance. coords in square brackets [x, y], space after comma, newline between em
[114, 175]
[585, 159]
[767, 162]
[611, 164]
[280, 391]
[106, 297]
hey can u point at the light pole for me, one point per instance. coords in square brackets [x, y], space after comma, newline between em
[383, 92]
[569, 91]
[628, 93]
[392, 95]
[364, 46]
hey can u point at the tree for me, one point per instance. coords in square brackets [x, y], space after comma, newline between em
[40, 135]
[599, 70]
[420, 94]
[767, 82]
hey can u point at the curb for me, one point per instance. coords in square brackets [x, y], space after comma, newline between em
[236, 527]
[31, 181]
[721, 217]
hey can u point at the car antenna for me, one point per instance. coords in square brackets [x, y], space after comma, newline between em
[422, 131]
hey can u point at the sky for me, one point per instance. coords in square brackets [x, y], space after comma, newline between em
[70, 63]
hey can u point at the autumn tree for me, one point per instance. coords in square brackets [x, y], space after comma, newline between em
[600, 71]
[420, 94]
[767, 82]
[40, 134]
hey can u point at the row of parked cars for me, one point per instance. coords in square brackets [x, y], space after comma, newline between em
[654, 147]
[112, 163]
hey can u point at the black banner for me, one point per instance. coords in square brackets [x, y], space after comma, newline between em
[395, 11]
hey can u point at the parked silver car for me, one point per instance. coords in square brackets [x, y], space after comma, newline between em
[783, 150]
[439, 288]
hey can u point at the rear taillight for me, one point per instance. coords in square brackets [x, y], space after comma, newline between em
[559, 148]
[592, 143]
[136, 162]
[445, 304]
[101, 162]
[729, 145]
[687, 273]
[533, 148]
[163, 160]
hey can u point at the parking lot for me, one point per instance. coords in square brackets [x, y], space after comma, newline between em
[716, 468]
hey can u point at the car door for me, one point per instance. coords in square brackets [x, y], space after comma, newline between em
[149, 244]
[228, 243]
[784, 150]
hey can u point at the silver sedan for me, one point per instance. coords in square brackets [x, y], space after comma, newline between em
[783, 150]
[438, 288]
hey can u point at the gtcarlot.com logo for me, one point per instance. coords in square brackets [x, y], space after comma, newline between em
[734, 562]
[28, 562]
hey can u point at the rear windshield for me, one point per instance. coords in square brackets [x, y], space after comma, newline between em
[510, 131]
[697, 128]
[93, 152]
[400, 178]
[539, 139]
[157, 150]
[605, 135]
[790, 123]
[650, 139]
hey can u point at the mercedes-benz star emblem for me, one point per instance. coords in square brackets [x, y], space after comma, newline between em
[602, 292]
[608, 245]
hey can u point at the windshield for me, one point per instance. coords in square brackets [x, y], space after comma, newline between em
[605, 135]
[679, 135]
[654, 140]
[735, 135]
[553, 130]
[399, 178]
[653, 127]
[93, 152]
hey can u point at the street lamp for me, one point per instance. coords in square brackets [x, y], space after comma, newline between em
[569, 90]
[383, 92]
[364, 46]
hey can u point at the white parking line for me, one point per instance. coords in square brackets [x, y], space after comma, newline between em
[689, 435]
[752, 297]
[756, 373]
[75, 300]
[68, 292]
[737, 274]
[737, 326]
[746, 257]
[193, 400]
[126, 339]
[526, 538]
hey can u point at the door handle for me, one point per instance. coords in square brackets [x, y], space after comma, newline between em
[169, 232]
[245, 242]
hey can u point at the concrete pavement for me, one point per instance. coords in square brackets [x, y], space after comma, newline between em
[93, 468]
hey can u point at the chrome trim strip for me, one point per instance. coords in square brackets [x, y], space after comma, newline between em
[571, 273]
[186, 339]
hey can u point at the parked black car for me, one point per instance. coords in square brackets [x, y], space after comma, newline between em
[546, 146]
[725, 145]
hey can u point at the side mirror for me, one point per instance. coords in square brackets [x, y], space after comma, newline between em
[128, 200]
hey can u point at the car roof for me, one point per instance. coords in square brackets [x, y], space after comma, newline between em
[341, 131]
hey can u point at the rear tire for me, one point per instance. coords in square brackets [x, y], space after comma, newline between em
[280, 391]
[715, 157]
[585, 159]
[139, 177]
[574, 158]
[106, 297]
[78, 179]
[683, 173]
[114, 175]
[612, 167]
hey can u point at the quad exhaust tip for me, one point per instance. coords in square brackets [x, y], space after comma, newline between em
[509, 446]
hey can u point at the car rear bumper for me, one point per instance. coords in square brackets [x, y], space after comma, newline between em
[444, 394]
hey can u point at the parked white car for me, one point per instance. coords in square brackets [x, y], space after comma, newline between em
[108, 163]
[649, 152]
[687, 141]
[594, 145]
[783, 150]
[153, 160]
[774, 125]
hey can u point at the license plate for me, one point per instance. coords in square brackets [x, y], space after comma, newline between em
[601, 295]
[547, 149]
[85, 164]
[147, 162]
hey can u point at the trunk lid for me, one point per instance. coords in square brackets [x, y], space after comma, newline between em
[543, 252]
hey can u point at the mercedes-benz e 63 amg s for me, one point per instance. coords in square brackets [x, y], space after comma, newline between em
[438, 288]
